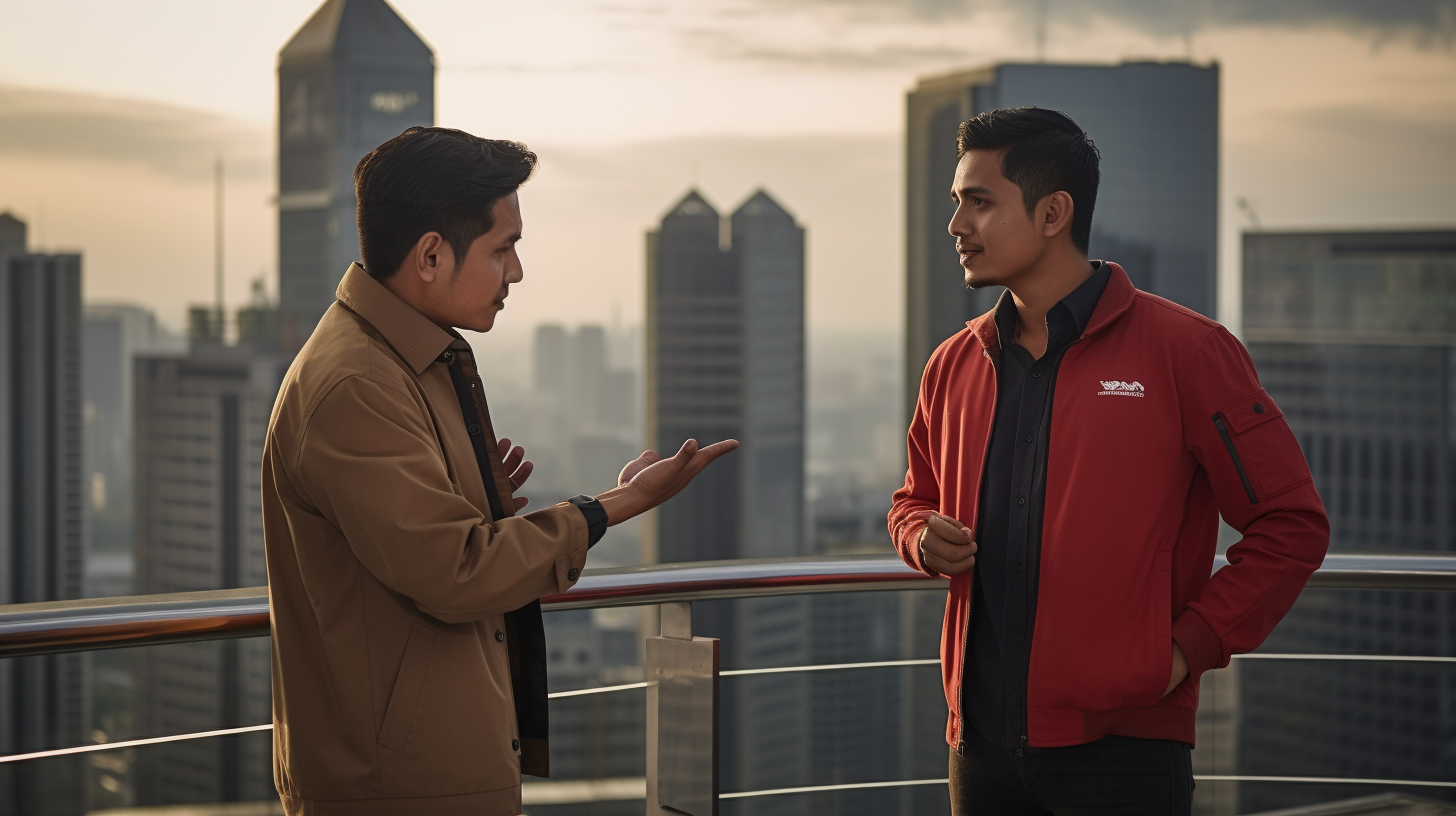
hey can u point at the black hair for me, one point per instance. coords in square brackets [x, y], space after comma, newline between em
[1045, 152]
[432, 179]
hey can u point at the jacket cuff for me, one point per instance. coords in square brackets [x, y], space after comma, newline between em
[1200, 644]
[573, 561]
[911, 545]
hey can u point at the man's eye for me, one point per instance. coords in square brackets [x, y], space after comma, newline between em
[977, 201]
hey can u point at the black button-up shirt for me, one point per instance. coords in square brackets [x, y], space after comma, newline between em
[1008, 529]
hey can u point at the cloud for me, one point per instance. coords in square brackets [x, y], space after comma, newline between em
[1426, 22]
[173, 141]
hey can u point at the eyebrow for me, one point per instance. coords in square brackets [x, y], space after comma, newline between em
[970, 191]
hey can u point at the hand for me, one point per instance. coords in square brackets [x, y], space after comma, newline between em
[946, 546]
[517, 471]
[650, 480]
[1180, 669]
[636, 466]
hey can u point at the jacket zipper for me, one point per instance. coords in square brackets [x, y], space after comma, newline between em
[966, 630]
[1031, 624]
[1228, 442]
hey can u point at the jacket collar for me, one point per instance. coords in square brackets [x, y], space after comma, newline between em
[1115, 300]
[412, 335]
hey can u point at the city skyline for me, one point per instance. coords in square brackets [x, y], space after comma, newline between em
[1299, 94]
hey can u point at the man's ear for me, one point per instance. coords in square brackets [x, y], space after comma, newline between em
[1055, 213]
[431, 256]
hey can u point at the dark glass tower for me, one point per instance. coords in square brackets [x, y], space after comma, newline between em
[355, 75]
[1156, 125]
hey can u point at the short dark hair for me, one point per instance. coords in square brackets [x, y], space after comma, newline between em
[432, 179]
[1045, 152]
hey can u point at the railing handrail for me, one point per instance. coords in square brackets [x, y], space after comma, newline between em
[139, 620]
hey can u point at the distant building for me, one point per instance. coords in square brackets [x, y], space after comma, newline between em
[1156, 125]
[112, 336]
[44, 701]
[1354, 335]
[725, 359]
[355, 75]
[200, 426]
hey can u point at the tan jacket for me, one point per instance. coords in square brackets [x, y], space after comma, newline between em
[388, 581]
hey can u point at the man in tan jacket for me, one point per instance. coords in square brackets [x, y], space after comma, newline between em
[409, 671]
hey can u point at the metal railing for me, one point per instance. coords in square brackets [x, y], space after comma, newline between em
[65, 626]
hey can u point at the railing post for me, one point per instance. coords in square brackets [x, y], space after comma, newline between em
[682, 718]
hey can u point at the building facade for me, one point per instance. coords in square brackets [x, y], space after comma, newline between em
[1354, 335]
[201, 420]
[355, 75]
[725, 359]
[1156, 125]
[44, 701]
[112, 335]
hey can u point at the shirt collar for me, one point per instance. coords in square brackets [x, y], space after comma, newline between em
[415, 337]
[1078, 305]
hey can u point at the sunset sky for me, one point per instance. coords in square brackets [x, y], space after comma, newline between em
[1335, 113]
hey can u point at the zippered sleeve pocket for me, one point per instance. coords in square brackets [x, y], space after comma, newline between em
[1263, 450]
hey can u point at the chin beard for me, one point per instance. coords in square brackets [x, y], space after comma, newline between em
[979, 282]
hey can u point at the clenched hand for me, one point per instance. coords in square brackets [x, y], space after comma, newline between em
[946, 546]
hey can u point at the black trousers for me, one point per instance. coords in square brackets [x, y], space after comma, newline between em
[1115, 776]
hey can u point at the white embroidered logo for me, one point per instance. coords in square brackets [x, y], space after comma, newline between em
[1118, 388]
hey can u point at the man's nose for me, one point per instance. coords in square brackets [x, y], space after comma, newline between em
[955, 227]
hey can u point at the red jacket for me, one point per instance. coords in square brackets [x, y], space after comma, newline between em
[1158, 426]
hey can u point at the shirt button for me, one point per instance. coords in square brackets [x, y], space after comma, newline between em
[572, 574]
[515, 745]
[1021, 500]
[500, 637]
[474, 430]
[1036, 373]
[447, 357]
[1020, 638]
[1028, 437]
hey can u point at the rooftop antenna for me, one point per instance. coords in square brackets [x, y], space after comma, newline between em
[1250, 213]
[217, 247]
[1041, 29]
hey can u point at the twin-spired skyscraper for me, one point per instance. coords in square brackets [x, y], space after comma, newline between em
[355, 75]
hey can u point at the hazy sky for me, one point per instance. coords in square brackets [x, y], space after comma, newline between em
[1335, 113]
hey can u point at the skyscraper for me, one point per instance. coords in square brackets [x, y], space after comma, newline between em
[44, 701]
[112, 336]
[200, 425]
[725, 340]
[1156, 125]
[355, 75]
[725, 317]
[1354, 336]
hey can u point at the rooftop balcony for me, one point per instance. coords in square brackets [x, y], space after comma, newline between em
[666, 734]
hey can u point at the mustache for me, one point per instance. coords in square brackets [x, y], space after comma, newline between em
[960, 247]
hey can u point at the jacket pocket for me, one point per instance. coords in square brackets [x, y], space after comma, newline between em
[409, 688]
[1264, 452]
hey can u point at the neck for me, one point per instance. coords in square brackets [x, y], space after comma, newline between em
[1043, 286]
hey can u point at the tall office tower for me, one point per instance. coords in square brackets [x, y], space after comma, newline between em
[1354, 335]
[355, 75]
[111, 336]
[725, 323]
[1156, 125]
[725, 339]
[200, 425]
[44, 701]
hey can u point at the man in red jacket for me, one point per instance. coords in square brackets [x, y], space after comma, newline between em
[1069, 458]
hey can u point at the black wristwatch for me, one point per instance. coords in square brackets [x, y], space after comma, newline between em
[596, 517]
